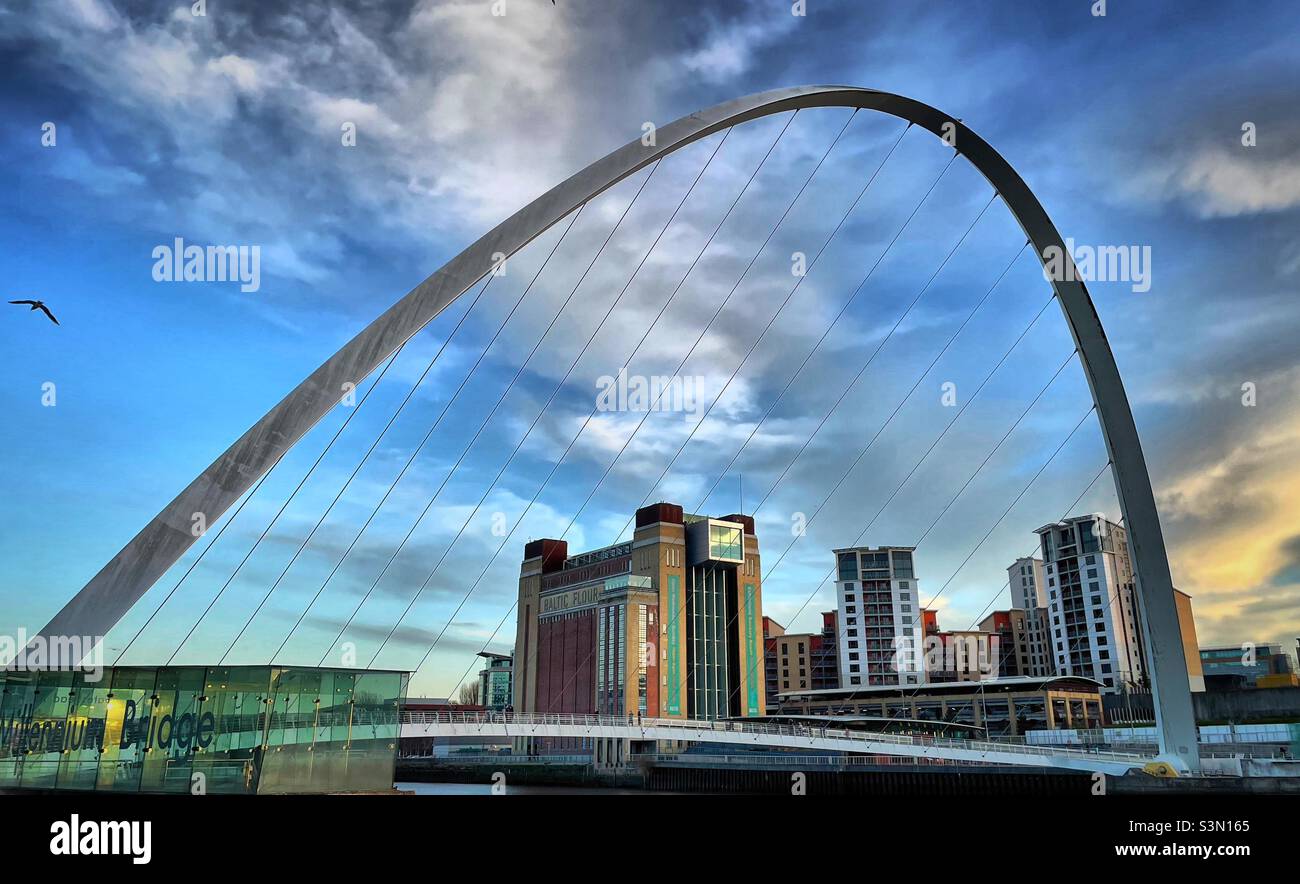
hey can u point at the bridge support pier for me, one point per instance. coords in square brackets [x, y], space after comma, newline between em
[611, 753]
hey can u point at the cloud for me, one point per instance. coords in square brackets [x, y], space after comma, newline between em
[1231, 535]
[227, 128]
[729, 48]
[1217, 182]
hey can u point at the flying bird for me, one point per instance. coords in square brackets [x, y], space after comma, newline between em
[39, 305]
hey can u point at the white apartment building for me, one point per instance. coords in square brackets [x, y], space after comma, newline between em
[880, 616]
[1091, 605]
[1028, 584]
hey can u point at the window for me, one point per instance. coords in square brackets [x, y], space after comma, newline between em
[902, 564]
[725, 543]
[848, 564]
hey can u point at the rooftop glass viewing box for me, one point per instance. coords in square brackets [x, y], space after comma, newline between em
[232, 729]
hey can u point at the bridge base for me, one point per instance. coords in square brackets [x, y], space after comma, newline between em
[200, 730]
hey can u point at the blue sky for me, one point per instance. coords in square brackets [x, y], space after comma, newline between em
[225, 129]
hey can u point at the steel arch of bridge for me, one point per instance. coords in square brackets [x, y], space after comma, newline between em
[129, 575]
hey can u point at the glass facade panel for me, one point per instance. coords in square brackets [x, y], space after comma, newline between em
[706, 610]
[239, 729]
[848, 564]
[903, 564]
[725, 543]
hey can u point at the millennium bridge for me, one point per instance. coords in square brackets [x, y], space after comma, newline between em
[240, 473]
[781, 737]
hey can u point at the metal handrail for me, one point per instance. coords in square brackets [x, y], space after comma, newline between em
[527, 719]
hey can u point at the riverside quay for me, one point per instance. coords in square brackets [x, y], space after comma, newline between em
[231, 729]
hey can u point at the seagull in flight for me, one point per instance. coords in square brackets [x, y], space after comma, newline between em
[39, 305]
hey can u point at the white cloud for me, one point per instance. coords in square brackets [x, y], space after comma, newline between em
[729, 50]
[1219, 182]
[91, 13]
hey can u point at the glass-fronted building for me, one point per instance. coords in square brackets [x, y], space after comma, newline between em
[496, 682]
[219, 730]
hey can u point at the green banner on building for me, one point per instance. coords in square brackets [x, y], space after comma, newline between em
[751, 650]
[674, 700]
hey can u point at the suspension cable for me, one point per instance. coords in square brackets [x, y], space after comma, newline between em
[699, 506]
[420, 447]
[644, 336]
[852, 466]
[1007, 585]
[564, 454]
[993, 527]
[351, 414]
[952, 338]
[365, 458]
[915, 300]
[942, 434]
[770, 322]
[194, 564]
[555, 467]
[843, 631]
[676, 614]
[980, 693]
[509, 460]
[391, 559]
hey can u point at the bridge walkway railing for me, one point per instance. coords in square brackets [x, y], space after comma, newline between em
[763, 729]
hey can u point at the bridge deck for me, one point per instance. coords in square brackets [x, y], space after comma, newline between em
[782, 736]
